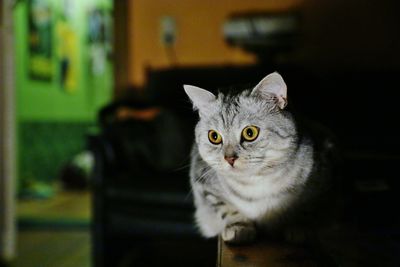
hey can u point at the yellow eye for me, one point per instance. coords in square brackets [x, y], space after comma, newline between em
[214, 137]
[250, 133]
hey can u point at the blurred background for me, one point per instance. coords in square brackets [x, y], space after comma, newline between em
[95, 129]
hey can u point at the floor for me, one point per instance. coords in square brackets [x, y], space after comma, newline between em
[54, 232]
[44, 248]
[69, 207]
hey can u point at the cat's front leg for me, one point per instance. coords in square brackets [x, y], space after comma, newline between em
[237, 228]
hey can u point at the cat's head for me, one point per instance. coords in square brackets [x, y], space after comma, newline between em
[244, 133]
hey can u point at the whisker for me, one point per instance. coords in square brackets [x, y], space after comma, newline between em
[204, 176]
[181, 168]
[188, 194]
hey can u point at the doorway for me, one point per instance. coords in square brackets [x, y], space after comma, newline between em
[7, 135]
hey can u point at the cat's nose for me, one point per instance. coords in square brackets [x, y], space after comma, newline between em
[231, 159]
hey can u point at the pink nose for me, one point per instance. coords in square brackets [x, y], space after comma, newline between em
[231, 159]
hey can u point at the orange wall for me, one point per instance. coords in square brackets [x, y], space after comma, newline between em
[199, 32]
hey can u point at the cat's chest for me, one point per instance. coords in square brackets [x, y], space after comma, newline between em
[258, 197]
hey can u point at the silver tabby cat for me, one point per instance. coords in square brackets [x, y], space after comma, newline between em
[251, 169]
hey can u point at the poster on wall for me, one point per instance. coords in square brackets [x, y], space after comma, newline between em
[67, 47]
[40, 46]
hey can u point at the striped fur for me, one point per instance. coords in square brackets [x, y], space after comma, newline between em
[274, 177]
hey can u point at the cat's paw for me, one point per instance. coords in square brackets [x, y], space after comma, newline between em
[239, 233]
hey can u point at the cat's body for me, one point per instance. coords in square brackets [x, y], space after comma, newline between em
[253, 169]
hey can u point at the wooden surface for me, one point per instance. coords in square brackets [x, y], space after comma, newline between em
[341, 246]
[265, 253]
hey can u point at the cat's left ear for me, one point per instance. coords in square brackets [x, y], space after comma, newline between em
[201, 98]
[274, 85]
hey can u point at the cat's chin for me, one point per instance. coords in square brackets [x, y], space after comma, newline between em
[228, 169]
[240, 170]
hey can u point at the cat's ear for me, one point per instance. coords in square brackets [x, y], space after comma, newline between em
[272, 84]
[200, 98]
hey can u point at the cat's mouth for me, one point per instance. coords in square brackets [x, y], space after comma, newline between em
[236, 166]
[241, 166]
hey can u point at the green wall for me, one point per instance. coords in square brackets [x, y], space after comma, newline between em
[47, 101]
[52, 122]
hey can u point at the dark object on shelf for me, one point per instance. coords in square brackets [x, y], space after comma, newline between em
[264, 34]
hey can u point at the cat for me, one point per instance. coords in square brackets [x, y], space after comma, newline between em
[253, 168]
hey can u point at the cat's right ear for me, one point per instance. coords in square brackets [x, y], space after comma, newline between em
[200, 98]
